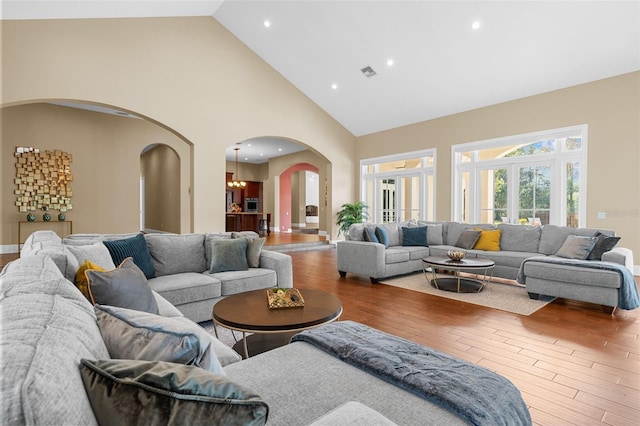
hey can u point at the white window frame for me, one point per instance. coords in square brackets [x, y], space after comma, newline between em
[423, 172]
[558, 160]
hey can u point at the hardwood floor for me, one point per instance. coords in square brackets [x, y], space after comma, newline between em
[574, 364]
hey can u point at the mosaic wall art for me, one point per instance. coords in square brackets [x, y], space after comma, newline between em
[43, 180]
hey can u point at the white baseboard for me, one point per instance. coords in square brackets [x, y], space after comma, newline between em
[9, 249]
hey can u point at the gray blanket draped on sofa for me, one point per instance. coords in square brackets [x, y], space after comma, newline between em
[476, 394]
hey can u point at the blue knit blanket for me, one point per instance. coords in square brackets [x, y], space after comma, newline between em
[476, 394]
[628, 297]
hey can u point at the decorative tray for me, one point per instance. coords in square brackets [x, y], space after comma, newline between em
[280, 298]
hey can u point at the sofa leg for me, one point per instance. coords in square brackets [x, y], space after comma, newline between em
[608, 309]
[342, 273]
[534, 296]
[374, 280]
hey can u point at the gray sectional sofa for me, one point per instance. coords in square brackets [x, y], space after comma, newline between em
[57, 369]
[543, 273]
[180, 264]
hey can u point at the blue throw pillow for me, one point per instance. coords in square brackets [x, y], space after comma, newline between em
[370, 235]
[414, 236]
[134, 247]
[383, 236]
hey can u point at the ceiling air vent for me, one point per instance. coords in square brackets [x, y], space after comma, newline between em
[368, 72]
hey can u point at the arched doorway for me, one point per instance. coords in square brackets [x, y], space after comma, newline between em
[291, 205]
[159, 189]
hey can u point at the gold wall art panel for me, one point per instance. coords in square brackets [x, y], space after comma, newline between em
[43, 180]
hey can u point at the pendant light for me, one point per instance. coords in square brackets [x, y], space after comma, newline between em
[236, 183]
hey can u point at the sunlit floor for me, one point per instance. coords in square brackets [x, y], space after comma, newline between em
[277, 238]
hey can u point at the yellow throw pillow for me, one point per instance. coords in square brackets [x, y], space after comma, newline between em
[82, 282]
[489, 240]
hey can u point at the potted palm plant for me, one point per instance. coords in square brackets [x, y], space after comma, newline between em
[349, 214]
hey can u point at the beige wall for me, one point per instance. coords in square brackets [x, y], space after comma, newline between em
[106, 164]
[187, 74]
[610, 107]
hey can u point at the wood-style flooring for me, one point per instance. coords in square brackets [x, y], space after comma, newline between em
[574, 364]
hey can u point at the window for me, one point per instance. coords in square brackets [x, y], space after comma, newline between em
[521, 179]
[399, 187]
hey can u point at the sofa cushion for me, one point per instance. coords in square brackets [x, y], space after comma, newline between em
[604, 243]
[95, 252]
[414, 236]
[417, 252]
[175, 254]
[382, 235]
[467, 239]
[523, 238]
[186, 287]
[156, 392]
[356, 232]
[393, 232]
[48, 315]
[135, 248]
[130, 334]
[233, 282]
[455, 229]
[575, 247]
[553, 236]
[125, 287]
[228, 255]
[489, 240]
[395, 255]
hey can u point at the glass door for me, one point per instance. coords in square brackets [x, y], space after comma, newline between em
[534, 194]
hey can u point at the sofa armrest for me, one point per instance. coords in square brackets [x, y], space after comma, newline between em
[281, 263]
[620, 255]
[362, 258]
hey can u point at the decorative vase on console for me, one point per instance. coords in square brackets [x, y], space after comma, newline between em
[62, 216]
[46, 216]
[31, 217]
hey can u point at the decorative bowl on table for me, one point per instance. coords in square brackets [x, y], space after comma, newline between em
[456, 255]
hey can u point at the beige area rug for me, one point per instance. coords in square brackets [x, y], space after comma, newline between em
[506, 297]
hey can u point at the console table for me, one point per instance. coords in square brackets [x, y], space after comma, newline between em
[57, 226]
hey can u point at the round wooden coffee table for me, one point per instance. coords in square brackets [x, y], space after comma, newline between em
[248, 312]
[483, 268]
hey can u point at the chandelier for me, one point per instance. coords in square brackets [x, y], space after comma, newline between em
[236, 183]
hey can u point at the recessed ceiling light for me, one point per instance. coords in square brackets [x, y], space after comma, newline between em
[475, 25]
[334, 86]
[246, 158]
[261, 155]
[267, 23]
[248, 144]
[279, 149]
[390, 62]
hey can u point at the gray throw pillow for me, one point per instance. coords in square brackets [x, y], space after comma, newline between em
[468, 239]
[228, 255]
[369, 235]
[130, 334]
[128, 392]
[576, 247]
[254, 248]
[125, 287]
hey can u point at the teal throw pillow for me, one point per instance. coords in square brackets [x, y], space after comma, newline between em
[383, 236]
[134, 247]
[130, 392]
[228, 255]
[414, 236]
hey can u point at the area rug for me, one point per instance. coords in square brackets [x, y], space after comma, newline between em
[226, 336]
[503, 296]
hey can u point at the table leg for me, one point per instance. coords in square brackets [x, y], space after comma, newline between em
[244, 344]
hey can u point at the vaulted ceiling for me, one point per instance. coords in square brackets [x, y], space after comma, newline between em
[448, 56]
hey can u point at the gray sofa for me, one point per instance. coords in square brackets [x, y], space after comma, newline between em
[180, 263]
[541, 274]
[49, 327]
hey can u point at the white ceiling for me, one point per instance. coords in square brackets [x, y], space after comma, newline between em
[441, 65]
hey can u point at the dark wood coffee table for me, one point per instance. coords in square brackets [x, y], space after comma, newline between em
[483, 268]
[248, 312]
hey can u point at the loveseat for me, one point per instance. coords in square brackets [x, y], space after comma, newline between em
[178, 266]
[58, 367]
[559, 261]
